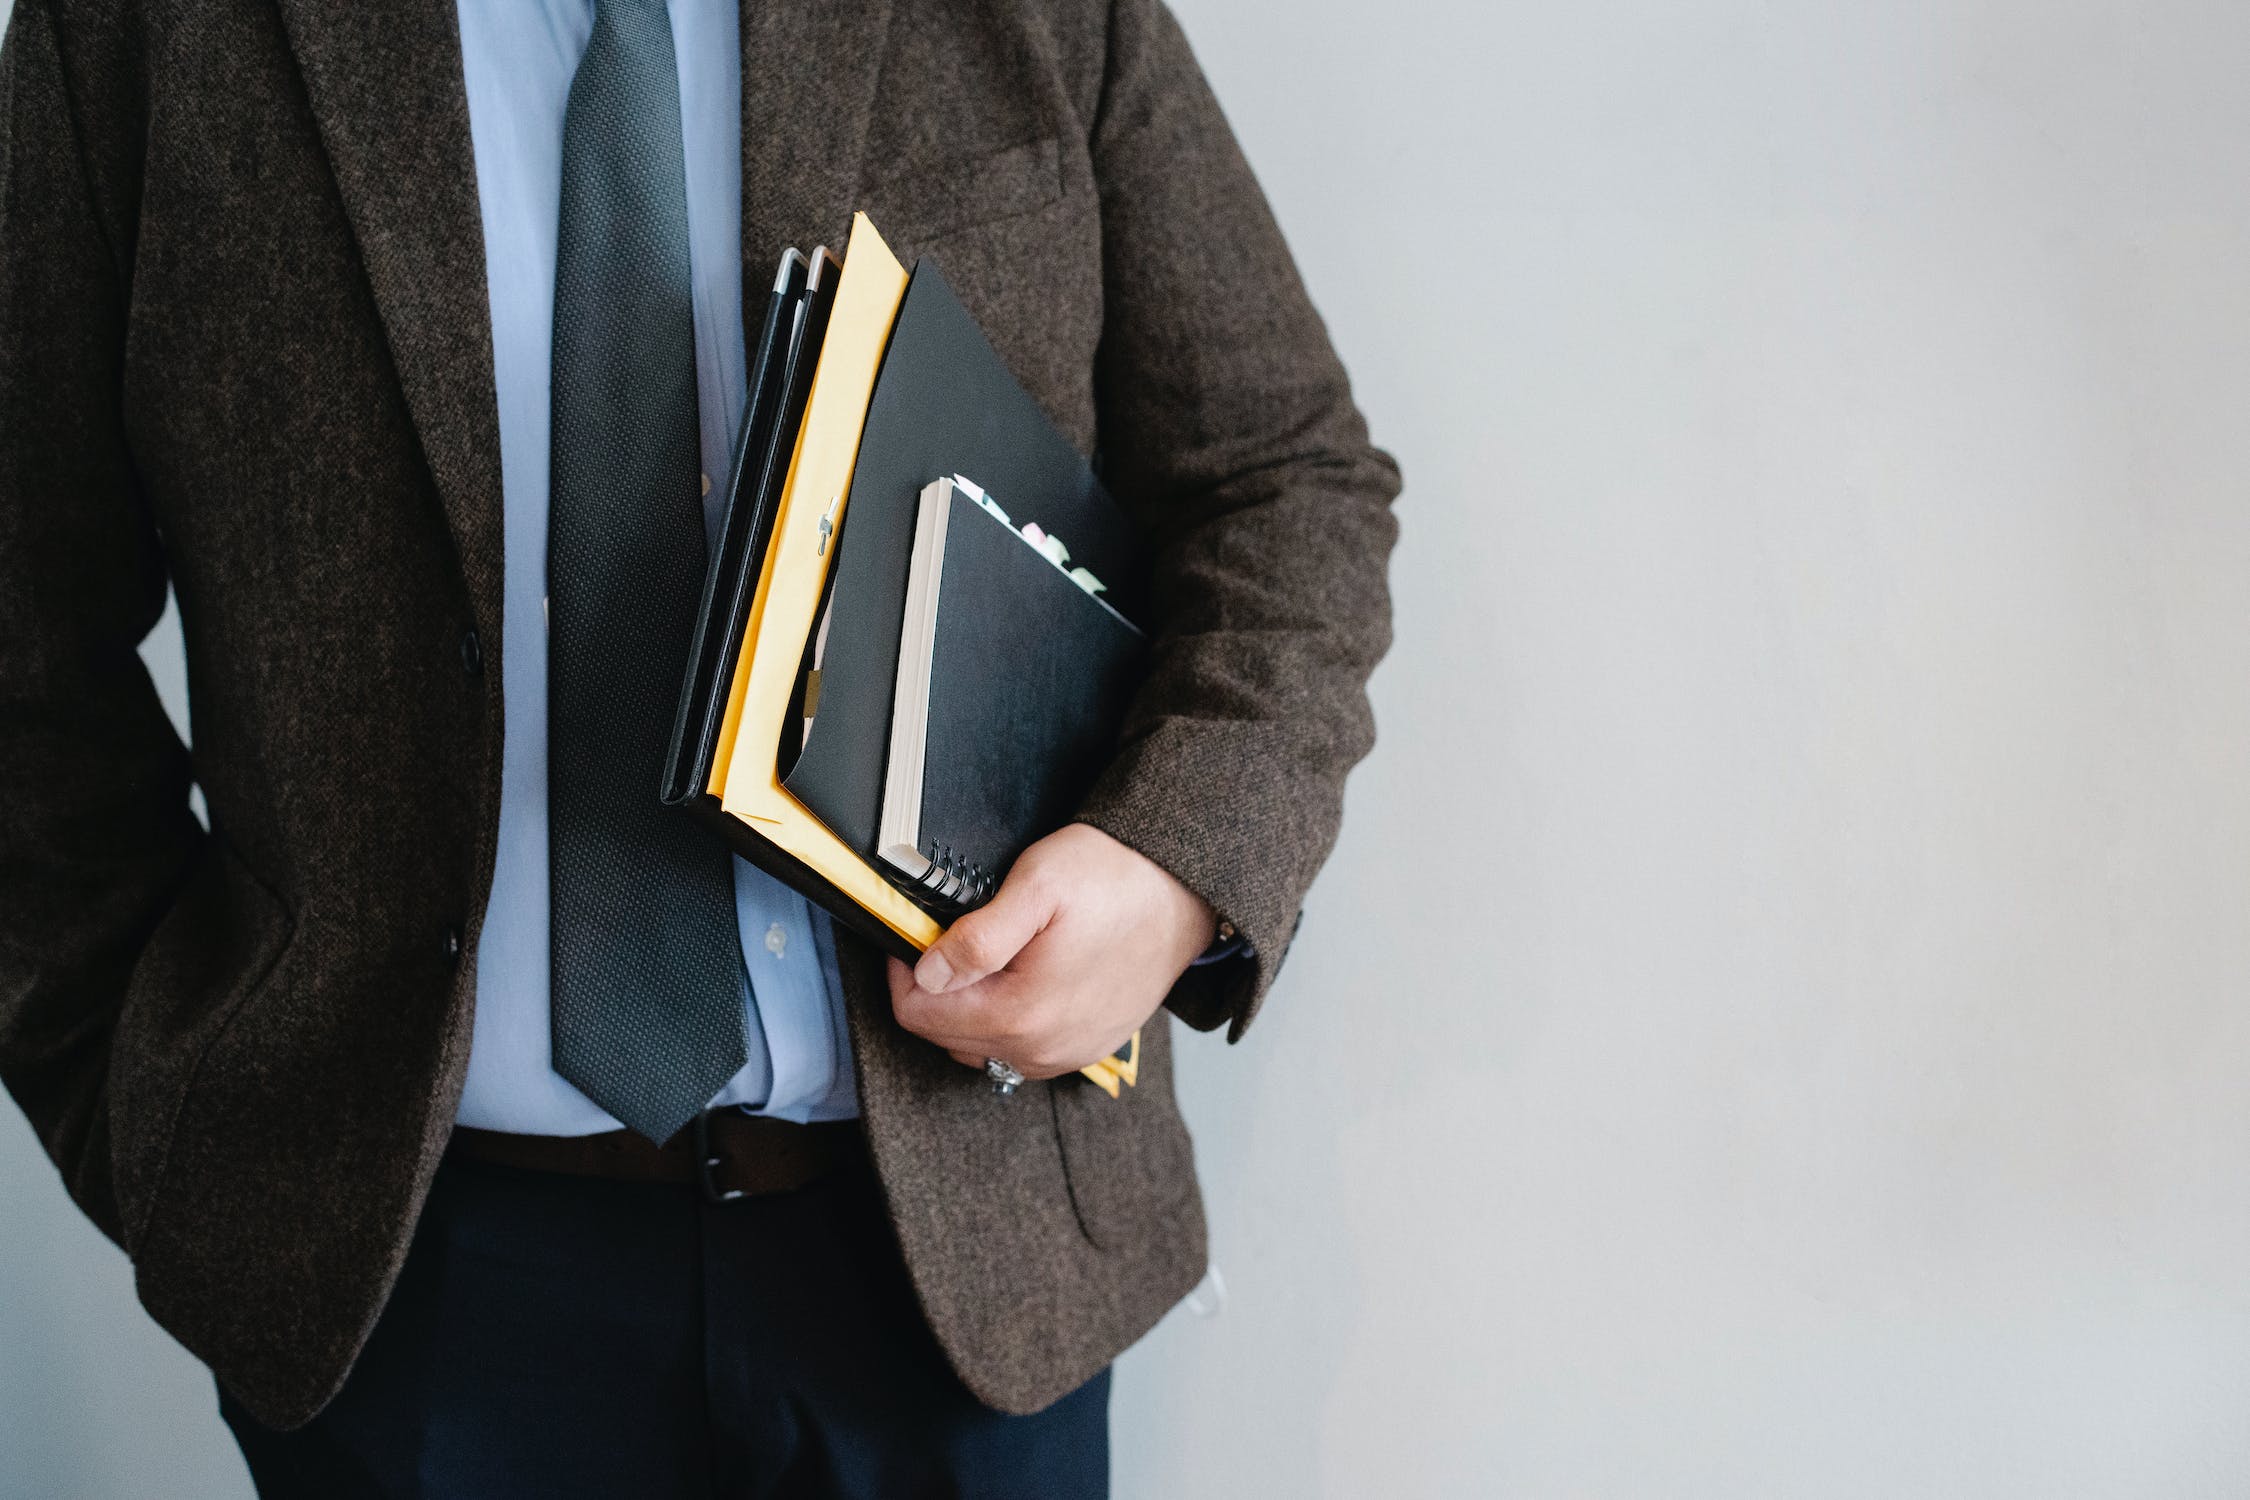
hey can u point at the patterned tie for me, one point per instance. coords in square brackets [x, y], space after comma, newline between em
[647, 992]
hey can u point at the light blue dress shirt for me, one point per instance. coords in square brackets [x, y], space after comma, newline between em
[518, 57]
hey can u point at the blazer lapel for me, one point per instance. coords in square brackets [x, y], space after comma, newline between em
[810, 75]
[386, 89]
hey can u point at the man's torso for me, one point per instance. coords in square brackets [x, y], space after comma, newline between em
[309, 401]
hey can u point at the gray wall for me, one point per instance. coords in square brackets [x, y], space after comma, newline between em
[1774, 1023]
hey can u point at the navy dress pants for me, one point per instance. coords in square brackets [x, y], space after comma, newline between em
[561, 1336]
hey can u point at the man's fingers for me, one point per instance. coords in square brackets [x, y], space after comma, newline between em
[985, 1018]
[985, 939]
[991, 1014]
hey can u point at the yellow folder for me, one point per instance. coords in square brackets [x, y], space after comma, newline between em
[807, 520]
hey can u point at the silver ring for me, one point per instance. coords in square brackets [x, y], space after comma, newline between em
[1005, 1078]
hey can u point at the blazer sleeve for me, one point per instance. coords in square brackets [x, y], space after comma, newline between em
[95, 832]
[1227, 424]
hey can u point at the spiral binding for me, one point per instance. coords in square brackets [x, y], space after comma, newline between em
[954, 879]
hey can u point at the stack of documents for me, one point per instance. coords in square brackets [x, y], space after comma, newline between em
[888, 761]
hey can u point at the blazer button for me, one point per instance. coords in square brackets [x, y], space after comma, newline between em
[472, 653]
[453, 945]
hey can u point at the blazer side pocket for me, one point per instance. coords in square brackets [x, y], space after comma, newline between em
[1128, 1160]
[218, 946]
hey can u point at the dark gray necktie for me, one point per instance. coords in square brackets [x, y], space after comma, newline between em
[647, 989]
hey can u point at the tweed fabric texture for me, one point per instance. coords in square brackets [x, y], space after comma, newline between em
[647, 990]
[243, 345]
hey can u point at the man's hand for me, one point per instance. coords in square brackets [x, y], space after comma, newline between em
[1078, 949]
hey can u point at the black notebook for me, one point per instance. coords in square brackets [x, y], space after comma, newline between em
[943, 404]
[1013, 676]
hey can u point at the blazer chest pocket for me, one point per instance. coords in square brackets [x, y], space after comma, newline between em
[917, 204]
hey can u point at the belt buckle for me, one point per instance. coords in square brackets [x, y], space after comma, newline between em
[707, 1160]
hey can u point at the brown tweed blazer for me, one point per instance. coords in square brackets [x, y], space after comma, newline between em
[244, 349]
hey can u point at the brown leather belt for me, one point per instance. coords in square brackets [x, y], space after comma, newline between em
[725, 1153]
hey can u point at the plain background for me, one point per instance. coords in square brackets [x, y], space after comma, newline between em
[1774, 1024]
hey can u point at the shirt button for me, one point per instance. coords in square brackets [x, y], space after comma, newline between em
[706, 484]
[776, 939]
[472, 653]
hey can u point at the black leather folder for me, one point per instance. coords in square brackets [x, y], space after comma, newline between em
[944, 404]
[780, 379]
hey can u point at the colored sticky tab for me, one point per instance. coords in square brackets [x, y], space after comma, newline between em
[1049, 543]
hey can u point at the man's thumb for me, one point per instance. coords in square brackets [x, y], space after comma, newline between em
[985, 939]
